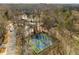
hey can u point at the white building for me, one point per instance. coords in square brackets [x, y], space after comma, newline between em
[24, 16]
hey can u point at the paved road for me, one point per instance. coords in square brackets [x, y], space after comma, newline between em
[11, 45]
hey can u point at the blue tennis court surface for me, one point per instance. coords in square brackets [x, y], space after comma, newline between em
[40, 41]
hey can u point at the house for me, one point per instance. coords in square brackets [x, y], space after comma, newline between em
[24, 17]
